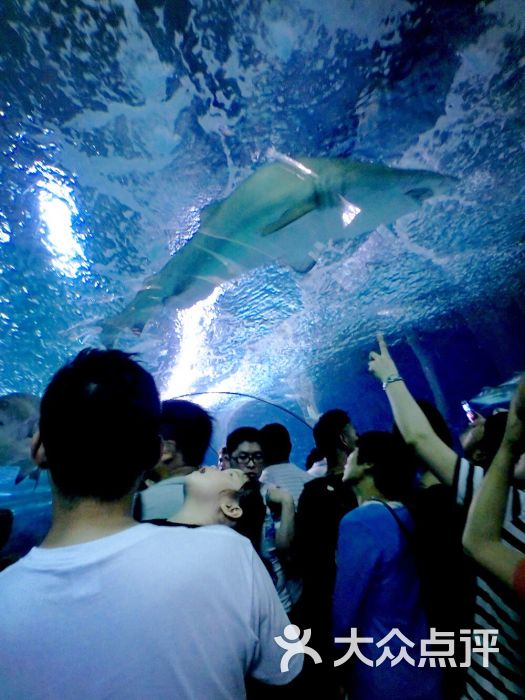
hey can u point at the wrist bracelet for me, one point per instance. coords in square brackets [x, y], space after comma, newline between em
[391, 379]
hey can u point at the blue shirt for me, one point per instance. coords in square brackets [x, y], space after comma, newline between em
[377, 590]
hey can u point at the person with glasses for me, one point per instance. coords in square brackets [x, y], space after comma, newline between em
[244, 447]
[106, 607]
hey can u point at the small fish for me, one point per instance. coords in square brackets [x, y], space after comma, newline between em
[282, 213]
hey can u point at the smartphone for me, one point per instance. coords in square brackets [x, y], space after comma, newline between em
[471, 416]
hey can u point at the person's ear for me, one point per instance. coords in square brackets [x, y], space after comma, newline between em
[230, 508]
[367, 469]
[38, 453]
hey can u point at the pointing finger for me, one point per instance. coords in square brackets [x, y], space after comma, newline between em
[382, 344]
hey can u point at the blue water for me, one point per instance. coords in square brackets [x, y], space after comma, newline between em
[30, 504]
[121, 121]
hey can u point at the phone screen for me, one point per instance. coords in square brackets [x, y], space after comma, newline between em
[471, 416]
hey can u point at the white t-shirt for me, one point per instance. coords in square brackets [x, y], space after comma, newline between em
[318, 469]
[287, 476]
[150, 612]
[162, 500]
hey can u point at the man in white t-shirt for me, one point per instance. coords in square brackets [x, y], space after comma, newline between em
[108, 608]
[279, 471]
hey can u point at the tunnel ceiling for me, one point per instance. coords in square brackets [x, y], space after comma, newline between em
[121, 121]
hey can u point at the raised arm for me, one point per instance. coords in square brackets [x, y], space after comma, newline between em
[285, 532]
[482, 536]
[410, 419]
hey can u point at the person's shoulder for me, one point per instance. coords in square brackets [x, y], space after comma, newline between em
[364, 527]
[270, 470]
[300, 472]
[225, 542]
[292, 465]
[212, 540]
[224, 534]
[318, 484]
[12, 571]
[369, 514]
[282, 467]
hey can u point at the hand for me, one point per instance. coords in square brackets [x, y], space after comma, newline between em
[515, 428]
[381, 364]
[277, 495]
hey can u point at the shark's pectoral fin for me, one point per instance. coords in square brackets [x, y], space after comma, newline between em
[131, 320]
[304, 266]
[290, 215]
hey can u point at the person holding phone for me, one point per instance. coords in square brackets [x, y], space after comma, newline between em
[483, 534]
[504, 679]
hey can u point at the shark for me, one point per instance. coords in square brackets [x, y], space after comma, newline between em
[285, 212]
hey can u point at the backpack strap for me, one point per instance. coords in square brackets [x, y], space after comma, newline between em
[412, 548]
[406, 532]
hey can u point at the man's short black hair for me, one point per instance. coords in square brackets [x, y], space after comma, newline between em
[276, 443]
[327, 431]
[393, 463]
[99, 424]
[189, 426]
[244, 434]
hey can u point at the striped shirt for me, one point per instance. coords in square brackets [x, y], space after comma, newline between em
[287, 476]
[496, 606]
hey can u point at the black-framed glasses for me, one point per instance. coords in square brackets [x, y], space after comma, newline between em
[245, 458]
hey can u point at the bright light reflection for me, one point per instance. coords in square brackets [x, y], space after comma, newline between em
[273, 153]
[191, 359]
[5, 231]
[57, 207]
[191, 364]
[349, 212]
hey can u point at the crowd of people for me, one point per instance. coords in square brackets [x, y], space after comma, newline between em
[392, 566]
